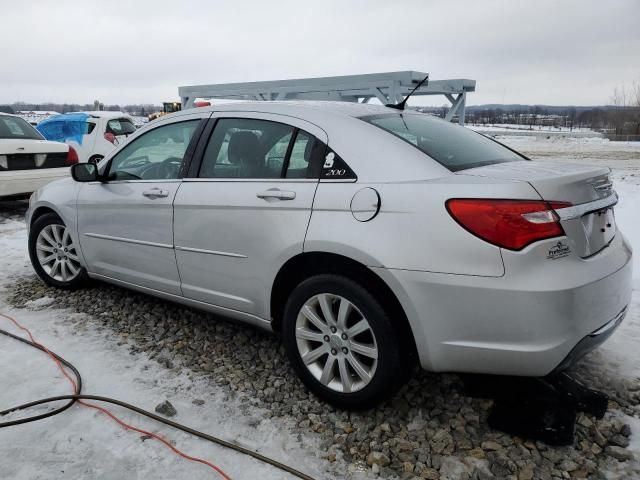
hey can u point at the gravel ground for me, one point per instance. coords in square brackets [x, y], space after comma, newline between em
[429, 430]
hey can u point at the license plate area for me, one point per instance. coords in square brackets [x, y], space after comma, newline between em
[25, 161]
[599, 229]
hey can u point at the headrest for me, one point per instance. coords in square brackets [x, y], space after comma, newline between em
[243, 145]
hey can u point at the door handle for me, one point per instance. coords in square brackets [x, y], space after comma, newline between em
[156, 193]
[276, 193]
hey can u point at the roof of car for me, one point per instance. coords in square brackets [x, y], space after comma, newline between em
[351, 109]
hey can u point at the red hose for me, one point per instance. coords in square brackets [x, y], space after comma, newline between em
[122, 423]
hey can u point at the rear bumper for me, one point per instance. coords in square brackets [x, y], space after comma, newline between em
[527, 323]
[20, 182]
[591, 341]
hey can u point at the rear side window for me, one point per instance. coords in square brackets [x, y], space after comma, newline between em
[120, 126]
[16, 127]
[305, 158]
[455, 147]
[260, 149]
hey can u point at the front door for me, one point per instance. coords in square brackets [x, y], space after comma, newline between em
[247, 210]
[125, 224]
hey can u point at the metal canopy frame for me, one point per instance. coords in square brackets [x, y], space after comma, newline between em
[389, 87]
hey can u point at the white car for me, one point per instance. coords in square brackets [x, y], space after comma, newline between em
[92, 134]
[27, 160]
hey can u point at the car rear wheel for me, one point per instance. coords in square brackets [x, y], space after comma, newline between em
[341, 343]
[54, 254]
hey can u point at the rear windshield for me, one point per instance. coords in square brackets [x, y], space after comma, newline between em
[16, 127]
[453, 146]
[120, 126]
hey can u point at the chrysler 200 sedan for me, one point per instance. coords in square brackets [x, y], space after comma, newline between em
[370, 238]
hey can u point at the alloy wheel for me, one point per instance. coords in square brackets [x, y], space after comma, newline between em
[336, 343]
[57, 253]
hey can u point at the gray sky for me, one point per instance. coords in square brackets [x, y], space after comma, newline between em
[139, 51]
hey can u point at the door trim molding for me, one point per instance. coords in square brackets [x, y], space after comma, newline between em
[127, 240]
[209, 252]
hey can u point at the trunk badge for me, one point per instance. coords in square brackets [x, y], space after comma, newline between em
[603, 187]
[559, 250]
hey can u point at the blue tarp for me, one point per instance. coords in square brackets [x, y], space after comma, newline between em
[68, 126]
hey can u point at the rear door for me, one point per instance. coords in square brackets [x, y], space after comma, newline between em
[125, 224]
[246, 208]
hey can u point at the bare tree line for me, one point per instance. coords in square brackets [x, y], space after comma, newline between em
[133, 109]
[626, 113]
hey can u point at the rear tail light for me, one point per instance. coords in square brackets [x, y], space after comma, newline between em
[511, 224]
[110, 137]
[72, 156]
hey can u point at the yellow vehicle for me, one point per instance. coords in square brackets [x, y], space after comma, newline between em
[167, 107]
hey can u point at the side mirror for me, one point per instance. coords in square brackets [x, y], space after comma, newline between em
[84, 172]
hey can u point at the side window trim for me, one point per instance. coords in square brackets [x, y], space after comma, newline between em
[198, 155]
[186, 157]
[335, 169]
[191, 148]
[287, 155]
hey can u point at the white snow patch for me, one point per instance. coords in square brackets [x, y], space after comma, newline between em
[40, 302]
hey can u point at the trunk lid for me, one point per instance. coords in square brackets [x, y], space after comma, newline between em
[27, 154]
[589, 222]
[10, 146]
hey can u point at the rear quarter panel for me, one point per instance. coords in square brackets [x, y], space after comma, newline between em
[413, 230]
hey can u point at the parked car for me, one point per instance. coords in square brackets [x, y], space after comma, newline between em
[369, 237]
[27, 160]
[92, 134]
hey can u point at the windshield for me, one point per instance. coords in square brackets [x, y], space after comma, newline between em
[120, 126]
[453, 146]
[16, 127]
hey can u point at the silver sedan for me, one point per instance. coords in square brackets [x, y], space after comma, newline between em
[370, 238]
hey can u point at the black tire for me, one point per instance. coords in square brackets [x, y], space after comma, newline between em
[79, 281]
[388, 375]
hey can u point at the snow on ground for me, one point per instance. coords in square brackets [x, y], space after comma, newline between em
[82, 443]
[507, 127]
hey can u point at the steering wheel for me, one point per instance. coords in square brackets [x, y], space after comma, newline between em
[137, 162]
[169, 168]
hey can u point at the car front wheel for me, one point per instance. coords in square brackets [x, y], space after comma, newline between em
[54, 254]
[341, 342]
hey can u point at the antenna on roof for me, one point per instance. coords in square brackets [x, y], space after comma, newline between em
[400, 106]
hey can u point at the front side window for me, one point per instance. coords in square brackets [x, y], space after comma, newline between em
[246, 148]
[16, 127]
[455, 147]
[156, 155]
